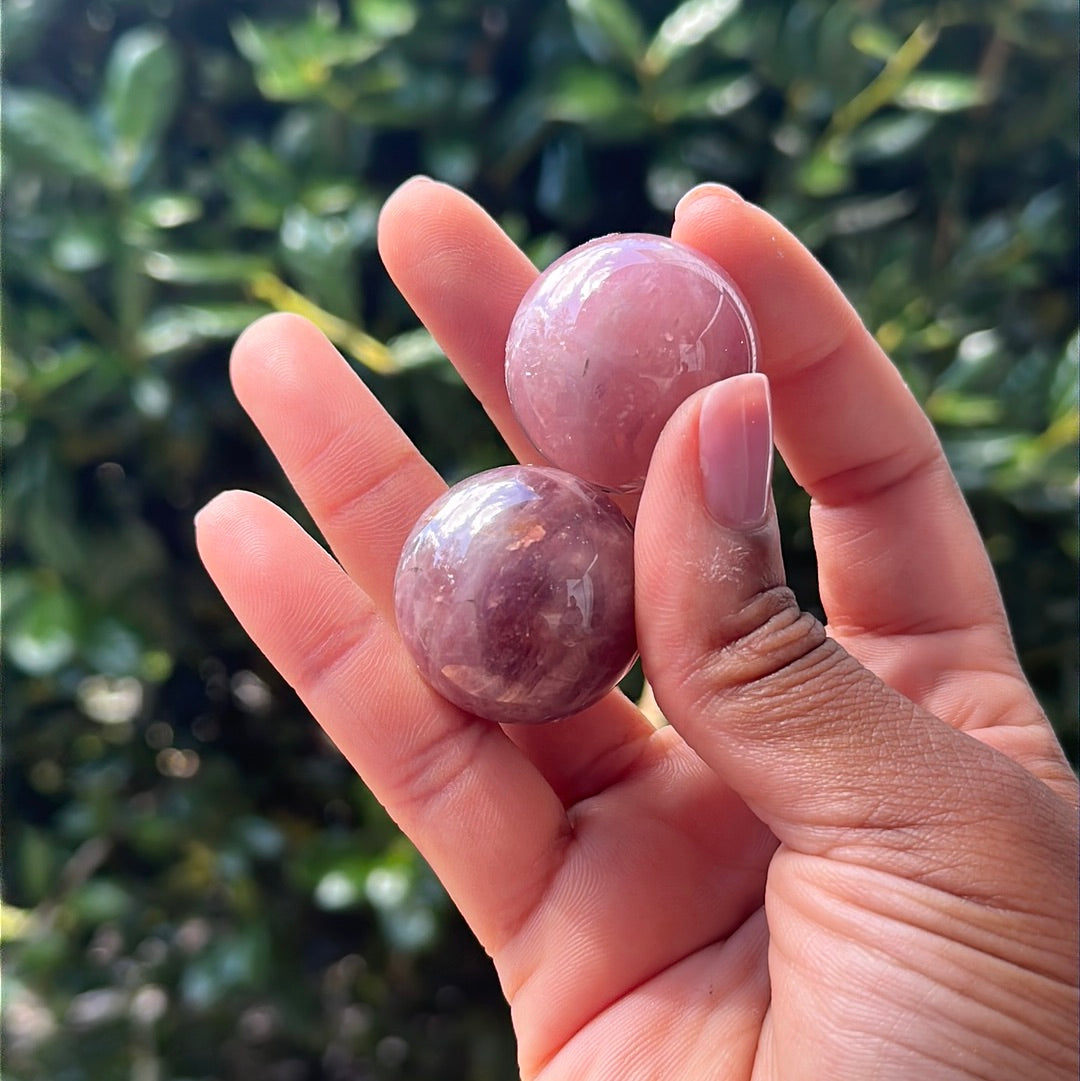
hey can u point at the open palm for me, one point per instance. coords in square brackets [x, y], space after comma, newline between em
[851, 854]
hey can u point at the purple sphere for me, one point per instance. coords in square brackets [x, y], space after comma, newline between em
[610, 340]
[515, 595]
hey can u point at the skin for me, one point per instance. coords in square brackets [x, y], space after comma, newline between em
[852, 853]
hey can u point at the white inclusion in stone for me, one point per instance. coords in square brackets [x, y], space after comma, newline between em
[694, 356]
[580, 592]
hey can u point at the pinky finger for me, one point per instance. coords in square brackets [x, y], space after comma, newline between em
[481, 814]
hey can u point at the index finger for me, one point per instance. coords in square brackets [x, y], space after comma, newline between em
[898, 552]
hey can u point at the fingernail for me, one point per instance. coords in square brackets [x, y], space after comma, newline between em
[736, 452]
[204, 513]
[417, 180]
[706, 191]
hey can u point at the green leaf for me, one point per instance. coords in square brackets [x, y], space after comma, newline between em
[453, 159]
[873, 39]
[385, 19]
[295, 62]
[44, 634]
[321, 252]
[688, 25]
[16, 587]
[342, 885]
[81, 243]
[943, 93]
[43, 488]
[15, 924]
[963, 410]
[204, 268]
[889, 136]
[862, 214]
[667, 182]
[608, 29]
[142, 89]
[184, 327]
[53, 133]
[714, 98]
[415, 349]
[824, 173]
[260, 184]
[169, 210]
[588, 95]
[974, 458]
[55, 369]
[1064, 390]
[237, 959]
[33, 859]
[99, 900]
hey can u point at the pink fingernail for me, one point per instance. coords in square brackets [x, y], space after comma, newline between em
[417, 180]
[736, 452]
[707, 191]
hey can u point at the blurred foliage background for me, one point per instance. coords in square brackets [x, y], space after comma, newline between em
[195, 886]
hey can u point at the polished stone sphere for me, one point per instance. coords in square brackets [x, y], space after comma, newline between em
[610, 340]
[515, 594]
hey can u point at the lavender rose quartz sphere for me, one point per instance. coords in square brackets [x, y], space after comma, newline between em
[610, 340]
[515, 595]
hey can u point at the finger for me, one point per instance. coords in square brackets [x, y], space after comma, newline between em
[365, 486]
[454, 784]
[356, 471]
[832, 759]
[898, 553]
[464, 278]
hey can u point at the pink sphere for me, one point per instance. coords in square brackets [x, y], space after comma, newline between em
[515, 595]
[610, 340]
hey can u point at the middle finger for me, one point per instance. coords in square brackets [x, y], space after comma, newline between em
[365, 485]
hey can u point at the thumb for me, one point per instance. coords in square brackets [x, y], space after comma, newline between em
[822, 750]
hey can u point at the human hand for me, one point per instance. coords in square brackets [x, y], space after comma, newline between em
[852, 852]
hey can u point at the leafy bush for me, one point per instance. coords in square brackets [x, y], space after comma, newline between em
[195, 885]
